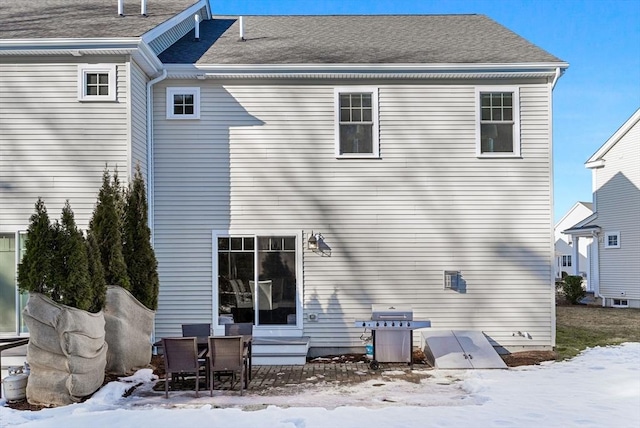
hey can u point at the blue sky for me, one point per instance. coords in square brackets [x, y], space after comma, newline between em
[600, 39]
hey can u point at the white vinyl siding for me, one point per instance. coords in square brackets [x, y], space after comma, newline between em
[263, 157]
[618, 207]
[138, 119]
[54, 146]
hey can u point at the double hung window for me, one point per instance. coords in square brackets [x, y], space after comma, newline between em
[357, 122]
[498, 123]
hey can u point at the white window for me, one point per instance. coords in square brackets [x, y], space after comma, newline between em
[356, 115]
[612, 240]
[452, 279]
[183, 103]
[566, 261]
[497, 122]
[96, 82]
[620, 303]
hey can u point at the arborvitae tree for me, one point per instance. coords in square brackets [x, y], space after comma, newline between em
[35, 269]
[142, 265]
[120, 197]
[70, 263]
[96, 274]
[105, 226]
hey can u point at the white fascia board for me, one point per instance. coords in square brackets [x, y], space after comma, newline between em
[177, 19]
[363, 70]
[19, 45]
[135, 47]
[596, 161]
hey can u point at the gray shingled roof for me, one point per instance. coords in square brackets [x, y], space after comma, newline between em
[356, 39]
[37, 19]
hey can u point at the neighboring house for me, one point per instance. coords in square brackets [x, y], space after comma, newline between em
[615, 223]
[565, 259]
[300, 168]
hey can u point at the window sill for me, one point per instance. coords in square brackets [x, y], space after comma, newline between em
[358, 156]
[499, 156]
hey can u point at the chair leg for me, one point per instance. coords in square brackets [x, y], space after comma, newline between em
[197, 381]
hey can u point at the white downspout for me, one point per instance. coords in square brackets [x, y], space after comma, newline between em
[555, 78]
[150, 169]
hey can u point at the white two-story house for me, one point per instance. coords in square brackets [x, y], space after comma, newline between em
[614, 226]
[300, 168]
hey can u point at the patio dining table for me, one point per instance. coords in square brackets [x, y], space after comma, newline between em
[203, 348]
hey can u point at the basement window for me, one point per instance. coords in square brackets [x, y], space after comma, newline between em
[183, 103]
[96, 82]
[620, 303]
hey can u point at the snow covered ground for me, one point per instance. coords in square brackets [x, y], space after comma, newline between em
[599, 388]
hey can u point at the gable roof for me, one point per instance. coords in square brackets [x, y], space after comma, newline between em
[58, 19]
[596, 159]
[356, 39]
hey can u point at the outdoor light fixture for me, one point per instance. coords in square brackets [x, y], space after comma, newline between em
[314, 241]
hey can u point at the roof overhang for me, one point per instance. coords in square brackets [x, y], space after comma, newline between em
[138, 49]
[364, 71]
[586, 231]
[596, 160]
[585, 227]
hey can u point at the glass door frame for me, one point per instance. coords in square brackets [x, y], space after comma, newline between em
[267, 330]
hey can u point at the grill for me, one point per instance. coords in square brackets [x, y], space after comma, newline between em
[392, 333]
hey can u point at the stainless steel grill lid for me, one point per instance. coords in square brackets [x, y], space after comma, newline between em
[392, 313]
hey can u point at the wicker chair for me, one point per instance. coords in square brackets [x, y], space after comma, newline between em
[196, 330]
[238, 329]
[180, 356]
[227, 354]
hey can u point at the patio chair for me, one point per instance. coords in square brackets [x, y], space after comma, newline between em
[243, 298]
[200, 332]
[180, 356]
[238, 329]
[196, 330]
[227, 354]
[265, 298]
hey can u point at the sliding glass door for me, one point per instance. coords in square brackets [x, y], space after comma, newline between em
[257, 279]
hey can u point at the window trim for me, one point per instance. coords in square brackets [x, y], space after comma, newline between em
[375, 132]
[84, 70]
[183, 90]
[606, 239]
[517, 140]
